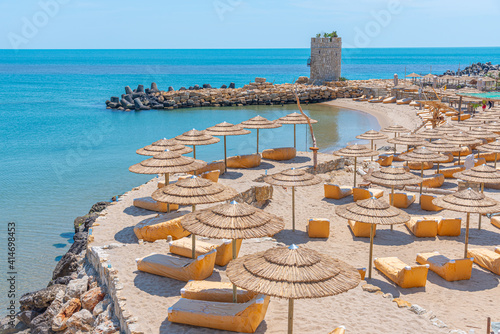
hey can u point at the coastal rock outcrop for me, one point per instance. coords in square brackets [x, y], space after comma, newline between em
[40, 299]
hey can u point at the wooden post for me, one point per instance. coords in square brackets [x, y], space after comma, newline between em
[422, 176]
[193, 238]
[225, 155]
[459, 152]
[459, 108]
[372, 232]
[392, 202]
[234, 286]
[293, 209]
[194, 151]
[467, 235]
[480, 215]
[257, 141]
[488, 325]
[355, 166]
[290, 316]
[372, 149]
[295, 136]
[167, 182]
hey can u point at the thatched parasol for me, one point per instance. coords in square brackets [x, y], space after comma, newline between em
[470, 123]
[441, 146]
[373, 211]
[421, 154]
[408, 140]
[493, 147]
[487, 117]
[293, 178]
[430, 134]
[481, 133]
[259, 122]
[447, 128]
[414, 75]
[295, 118]
[468, 201]
[192, 191]
[196, 138]
[396, 129]
[355, 151]
[293, 273]
[493, 127]
[372, 135]
[226, 129]
[461, 138]
[162, 145]
[233, 221]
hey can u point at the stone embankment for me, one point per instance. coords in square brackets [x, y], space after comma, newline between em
[259, 92]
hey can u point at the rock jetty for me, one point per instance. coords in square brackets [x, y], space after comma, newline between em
[260, 92]
[475, 69]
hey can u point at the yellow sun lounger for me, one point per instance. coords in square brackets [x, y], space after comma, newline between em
[160, 227]
[418, 165]
[495, 221]
[318, 228]
[403, 275]
[279, 154]
[403, 101]
[235, 317]
[359, 194]
[361, 230]
[464, 151]
[450, 227]
[385, 160]
[433, 181]
[376, 100]
[450, 270]
[486, 258]
[183, 247]
[423, 227]
[449, 172]
[336, 192]
[215, 291]
[402, 200]
[149, 203]
[179, 268]
[244, 161]
[463, 117]
[338, 330]
[426, 203]
[390, 100]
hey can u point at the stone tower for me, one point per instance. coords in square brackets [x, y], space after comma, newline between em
[325, 61]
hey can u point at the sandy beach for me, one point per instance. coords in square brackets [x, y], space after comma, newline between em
[461, 305]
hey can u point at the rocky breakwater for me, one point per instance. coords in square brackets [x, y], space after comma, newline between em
[75, 301]
[259, 92]
[475, 69]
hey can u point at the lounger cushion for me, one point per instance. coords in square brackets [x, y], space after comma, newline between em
[423, 227]
[336, 192]
[418, 165]
[183, 247]
[426, 203]
[486, 258]
[464, 151]
[495, 221]
[160, 227]
[278, 154]
[433, 181]
[215, 292]
[450, 270]
[212, 175]
[401, 274]
[361, 230]
[244, 161]
[318, 228]
[450, 227]
[402, 200]
[361, 193]
[385, 160]
[149, 203]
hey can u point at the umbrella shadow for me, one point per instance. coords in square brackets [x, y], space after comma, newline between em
[231, 175]
[345, 200]
[126, 236]
[263, 165]
[296, 160]
[477, 237]
[386, 237]
[392, 288]
[167, 326]
[480, 280]
[137, 212]
[289, 237]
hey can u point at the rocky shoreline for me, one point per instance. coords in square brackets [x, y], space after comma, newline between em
[75, 301]
[475, 69]
[259, 92]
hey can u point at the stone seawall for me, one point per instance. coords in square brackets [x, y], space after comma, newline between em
[259, 92]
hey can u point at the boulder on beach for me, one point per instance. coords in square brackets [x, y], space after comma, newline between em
[232, 85]
[207, 86]
[196, 87]
[182, 88]
[223, 87]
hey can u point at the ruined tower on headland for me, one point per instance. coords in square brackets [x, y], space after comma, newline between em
[325, 61]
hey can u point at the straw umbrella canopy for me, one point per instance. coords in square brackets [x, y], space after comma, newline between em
[480, 174]
[447, 128]
[193, 191]
[391, 177]
[196, 138]
[226, 129]
[493, 127]
[421, 154]
[441, 146]
[481, 133]
[293, 273]
[372, 135]
[293, 178]
[407, 140]
[162, 145]
[233, 221]
[396, 129]
[460, 139]
[355, 151]
[373, 211]
[487, 117]
[295, 118]
[468, 201]
[493, 147]
[258, 122]
[430, 134]
[470, 123]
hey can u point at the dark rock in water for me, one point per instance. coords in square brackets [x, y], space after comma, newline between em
[138, 95]
[113, 105]
[182, 88]
[223, 87]
[68, 263]
[83, 223]
[115, 99]
[98, 207]
[139, 106]
[128, 90]
[40, 299]
[27, 316]
[170, 88]
[207, 86]
[128, 98]
[11, 326]
[196, 87]
[61, 280]
[157, 106]
[148, 91]
[154, 87]
[140, 89]
[126, 104]
[191, 88]
[232, 85]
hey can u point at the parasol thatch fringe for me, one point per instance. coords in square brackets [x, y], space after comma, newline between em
[422, 154]
[395, 129]
[293, 178]
[442, 145]
[162, 145]
[479, 174]
[259, 122]
[167, 162]
[196, 137]
[461, 138]
[481, 133]
[226, 129]
[295, 118]
[355, 151]
[392, 176]
[372, 211]
[469, 201]
[372, 135]
[407, 140]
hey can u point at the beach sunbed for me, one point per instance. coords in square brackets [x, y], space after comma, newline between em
[486, 258]
[359, 98]
[426, 203]
[385, 160]
[379, 99]
[362, 193]
[179, 268]
[365, 98]
[400, 273]
[391, 99]
[244, 161]
[318, 228]
[477, 162]
[423, 227]
[450, 157]
[215, 291]
[450, 270]
[404, 101]
[212, 175]
[338, 330]
[433, 181]
[418, 165]
[235, 317]
[450, 227]
[495, 221]
[336, 192]
[402, 200]
[183, 247]
[160, 227]
[449, 172]
[279, 154]
[464, 151]
[489, 157]
[463, 117]
[360, 230]
[150, 204]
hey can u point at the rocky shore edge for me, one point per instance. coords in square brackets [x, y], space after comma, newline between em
[74, 301]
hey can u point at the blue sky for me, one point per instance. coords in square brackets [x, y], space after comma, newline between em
[93, 24]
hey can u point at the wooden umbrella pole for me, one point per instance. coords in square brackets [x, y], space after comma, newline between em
[257, 141]
[290, 316]
[225, 155]
[295, 136]
[422, 176]
[459, 152]
[193, 238]
[467, 235]
[480, 215]
[355, 166]
[372, 150]
[167, 182]
[392, 202]
[194, 151]
[496, 160]
[293, 209]
[235, 300]
[372, 232]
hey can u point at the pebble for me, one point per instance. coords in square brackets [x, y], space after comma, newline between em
[401, 302]
[417, 309]
[370, 288]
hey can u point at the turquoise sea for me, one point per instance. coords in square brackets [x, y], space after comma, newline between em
[61, 150]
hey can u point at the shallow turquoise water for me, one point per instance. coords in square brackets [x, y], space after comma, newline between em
[62, 151]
